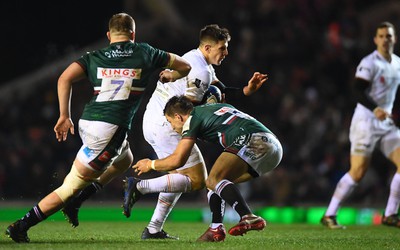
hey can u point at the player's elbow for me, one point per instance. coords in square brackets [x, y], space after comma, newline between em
[182, 66]
[186, 69]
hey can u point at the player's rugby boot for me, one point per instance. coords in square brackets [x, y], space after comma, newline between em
[247, 223]
[331, 222]
[213, 234]
[70, 212]
[146, 235]
[18, 232]
[392, 220]
[131, 195]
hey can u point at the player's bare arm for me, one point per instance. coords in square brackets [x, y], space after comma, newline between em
[177, 159]
[64, 89]
[256, 81]
[177, 68]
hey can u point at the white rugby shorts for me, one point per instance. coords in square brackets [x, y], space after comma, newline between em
[164, 140]
[103, 143]
[263, 152]
[367, 132]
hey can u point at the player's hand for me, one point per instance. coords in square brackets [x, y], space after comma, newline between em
[142, 166]
[223, 99]
[256, 81]
[381, 114]
[166, 75]
[64, 124]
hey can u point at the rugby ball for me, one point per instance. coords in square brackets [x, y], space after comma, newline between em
[212, 95]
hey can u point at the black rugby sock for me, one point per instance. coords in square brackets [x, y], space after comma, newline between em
[231, 194]
[33, 217]
[86, 193]
[217, 207]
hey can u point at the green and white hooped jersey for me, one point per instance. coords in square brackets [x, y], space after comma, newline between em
[222, 124]
[119, 74]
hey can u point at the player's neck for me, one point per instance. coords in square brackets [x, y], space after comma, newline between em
[386, 54]
[203, 51]
[118, 40]
[115, 38]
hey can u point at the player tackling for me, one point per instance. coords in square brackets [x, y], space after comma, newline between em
[250, 150]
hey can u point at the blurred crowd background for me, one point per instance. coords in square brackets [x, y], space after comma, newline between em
[309, 49]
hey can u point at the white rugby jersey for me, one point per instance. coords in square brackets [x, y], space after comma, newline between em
[384, 77]
[194, 85]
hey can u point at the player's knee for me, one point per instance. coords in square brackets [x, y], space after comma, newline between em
[357, 174]
[198, 184]
[73, 182]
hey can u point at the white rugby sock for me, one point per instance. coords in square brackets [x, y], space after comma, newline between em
[392, 206]
[166, 201]
[343, 190]
[169, 183]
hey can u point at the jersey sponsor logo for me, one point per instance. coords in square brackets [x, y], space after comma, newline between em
[234, 112]
[382, 80]
[364, 145]
[197, 83]
[118, 53]
[359, 151]
[251, 155]
[361, 148]
[105, 156]
[109, 73]
[363, 68]
[241, 140]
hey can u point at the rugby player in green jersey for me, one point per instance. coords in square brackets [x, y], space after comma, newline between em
[250, 150]
[119, 75]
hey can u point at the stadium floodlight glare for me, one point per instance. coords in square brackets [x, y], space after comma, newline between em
[271, 214]
[286, 215]
[314, 214]
[347, 216]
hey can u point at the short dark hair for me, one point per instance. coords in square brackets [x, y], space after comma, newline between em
[214, 33]
[385, 25]
[121, 23]
[178, 104]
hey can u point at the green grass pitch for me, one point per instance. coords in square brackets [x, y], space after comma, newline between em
[104, 227]
[126, 235]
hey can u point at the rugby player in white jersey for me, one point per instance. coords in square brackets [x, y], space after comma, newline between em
[212, 50]
[376, 82]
